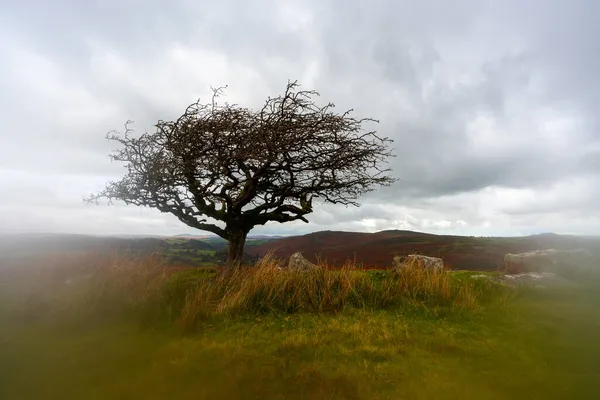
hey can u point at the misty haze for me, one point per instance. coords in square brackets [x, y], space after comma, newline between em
[300, 200]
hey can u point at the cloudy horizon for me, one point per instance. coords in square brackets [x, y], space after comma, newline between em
[491, 105]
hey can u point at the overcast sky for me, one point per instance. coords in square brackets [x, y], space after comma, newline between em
[492, 105]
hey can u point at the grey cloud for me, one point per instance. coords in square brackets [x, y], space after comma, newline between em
[435, 157]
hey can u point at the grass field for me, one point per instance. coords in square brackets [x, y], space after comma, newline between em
[127, 332]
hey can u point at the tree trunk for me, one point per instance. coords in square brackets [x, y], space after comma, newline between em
[235, 249]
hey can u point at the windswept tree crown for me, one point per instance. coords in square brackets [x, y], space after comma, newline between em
[248, 167]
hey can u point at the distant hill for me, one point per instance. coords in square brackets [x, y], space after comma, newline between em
[183, 250]
[378, 249]
[334, 247]
[190, 236]
[42, 243]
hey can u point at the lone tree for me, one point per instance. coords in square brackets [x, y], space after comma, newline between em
[242, 168]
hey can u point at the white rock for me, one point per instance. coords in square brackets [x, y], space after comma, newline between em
[297, 261]
[425, 262]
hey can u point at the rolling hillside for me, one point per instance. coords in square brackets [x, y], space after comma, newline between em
[378, 249]
[374, 250]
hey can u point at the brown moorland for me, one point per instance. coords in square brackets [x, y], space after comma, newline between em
[376, 250]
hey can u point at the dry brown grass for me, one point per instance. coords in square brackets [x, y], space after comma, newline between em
[106, 285]
[270, 287]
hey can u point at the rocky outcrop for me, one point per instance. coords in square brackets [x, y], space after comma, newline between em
[298, 262]
[561, 262]
[536, 279]
[418, 260]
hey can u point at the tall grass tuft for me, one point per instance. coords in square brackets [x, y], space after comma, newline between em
[144, 289]
[271, 287]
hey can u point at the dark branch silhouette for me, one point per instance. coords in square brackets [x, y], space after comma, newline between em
[242, 167]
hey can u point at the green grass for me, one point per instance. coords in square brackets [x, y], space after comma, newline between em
[173, 241]
[533, 344]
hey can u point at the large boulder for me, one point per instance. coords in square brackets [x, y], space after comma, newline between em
[418, 260]
[561, 262]
[297, 261]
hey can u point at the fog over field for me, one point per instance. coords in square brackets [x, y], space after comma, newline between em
[492, 105]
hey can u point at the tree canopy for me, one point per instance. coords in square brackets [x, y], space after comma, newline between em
[225, 169]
